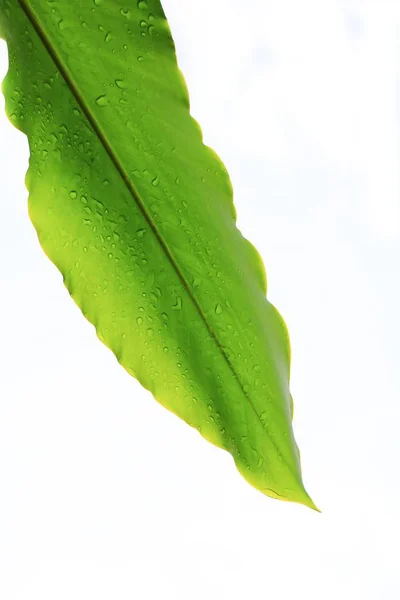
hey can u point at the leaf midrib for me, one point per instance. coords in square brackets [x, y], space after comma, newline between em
[69, 80]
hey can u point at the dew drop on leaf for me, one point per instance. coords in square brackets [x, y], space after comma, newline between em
[102, 100]
[178, 304]
[218, 309]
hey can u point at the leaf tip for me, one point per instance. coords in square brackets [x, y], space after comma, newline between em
[305, 499]
[310, 504]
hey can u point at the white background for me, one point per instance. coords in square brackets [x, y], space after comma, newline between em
[106, 495]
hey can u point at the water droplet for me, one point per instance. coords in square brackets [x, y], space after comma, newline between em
[100, 206]
[151, 29]
[140, 58]
[120, 83]
[141, 232]
[108, 37]
[73, 195]
[166, 349]
[84, 199]
[178, 304]
[155, 182]
[218, 309]
[98, 2]
[142, 4]
[139, 320]
[125, 13]
[150, 332]
[151, 17]
[102, 100]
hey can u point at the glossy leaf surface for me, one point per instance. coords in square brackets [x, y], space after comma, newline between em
[137, 214]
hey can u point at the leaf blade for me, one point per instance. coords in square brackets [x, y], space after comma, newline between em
[87, 110]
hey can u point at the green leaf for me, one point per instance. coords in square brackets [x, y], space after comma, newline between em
[137, 214]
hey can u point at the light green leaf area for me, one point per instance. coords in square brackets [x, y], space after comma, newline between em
[137, 214]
